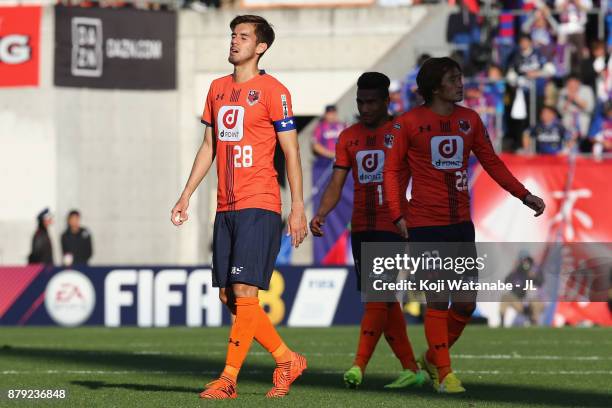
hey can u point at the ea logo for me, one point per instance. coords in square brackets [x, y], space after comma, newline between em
[447, 148]
[14, 49]
[370, 162]
[70, 298]
[447, 152]
[230, 118]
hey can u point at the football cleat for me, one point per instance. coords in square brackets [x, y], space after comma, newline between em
[408, 378]
[285, 374]
[221, 388]
[450, 385]
[353, 377]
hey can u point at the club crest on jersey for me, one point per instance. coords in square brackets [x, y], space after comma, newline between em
[388, 141]
[464, 126]
[252, 97]
[397, 126]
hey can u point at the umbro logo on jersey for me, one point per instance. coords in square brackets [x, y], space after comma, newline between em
[235, 343]
[353, 143]
[425, 128]
[219, 97]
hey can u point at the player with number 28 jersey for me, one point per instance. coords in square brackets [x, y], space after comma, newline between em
[245, 118]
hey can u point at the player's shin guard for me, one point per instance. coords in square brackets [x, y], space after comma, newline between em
[396, 336]
[241, 335]
[372, 325]
[456, 322]
[436, 332]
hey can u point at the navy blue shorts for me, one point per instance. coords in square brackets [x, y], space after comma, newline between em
[357, 238]
[245, 246]
[462, 233]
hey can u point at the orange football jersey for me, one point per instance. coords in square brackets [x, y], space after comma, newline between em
[438, 148]
[245, 118]
[363, 151]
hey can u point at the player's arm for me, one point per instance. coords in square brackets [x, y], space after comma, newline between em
[329, 200]
[321, 150]
[201, 166]
[296, 223]
[395, 164]
[333, 191]
[483, 149]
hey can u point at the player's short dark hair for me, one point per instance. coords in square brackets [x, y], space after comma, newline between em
[375, 80]
[431, 73]
[264, 33]
[74, 212]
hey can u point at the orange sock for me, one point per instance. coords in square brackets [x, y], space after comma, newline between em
[456, 322]
[396, 336]
[372, 325]
[268, 337]
[436, 332]
[242, 333]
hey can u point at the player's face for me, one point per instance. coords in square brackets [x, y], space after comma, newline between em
[243, 46]
[74, 222]
[451, 87]
[372, 107]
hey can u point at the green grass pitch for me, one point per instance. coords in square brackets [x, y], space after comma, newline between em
[129, 367]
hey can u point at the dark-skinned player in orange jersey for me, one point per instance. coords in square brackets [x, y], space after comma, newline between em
[361, 150]
[436, 139]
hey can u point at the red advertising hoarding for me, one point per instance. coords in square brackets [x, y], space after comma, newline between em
[19, 46]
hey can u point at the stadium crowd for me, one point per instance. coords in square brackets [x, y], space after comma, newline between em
[537, 72]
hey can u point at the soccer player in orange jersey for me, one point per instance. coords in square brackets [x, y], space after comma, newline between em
[246, 113]
[436, 139]
[361, 150]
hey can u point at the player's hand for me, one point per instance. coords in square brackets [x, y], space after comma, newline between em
[317, 222]
[402, 227]
[535, 203]
[297, 224]
[179, 212]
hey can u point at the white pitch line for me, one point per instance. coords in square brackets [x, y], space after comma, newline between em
[325, 372]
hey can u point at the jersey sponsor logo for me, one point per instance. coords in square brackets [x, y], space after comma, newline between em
[464, 126]
[389, 141]
[370, 164]
[253, 97]
[231, 123]
[447, 152]
[285, 106]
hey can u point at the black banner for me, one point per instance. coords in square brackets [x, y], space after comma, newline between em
[110, 48]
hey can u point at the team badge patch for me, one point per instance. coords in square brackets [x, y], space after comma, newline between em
[464, 126]
[252, 97]
[397, 126]
[389, 141]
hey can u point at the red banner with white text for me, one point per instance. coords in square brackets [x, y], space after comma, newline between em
[19, 46]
